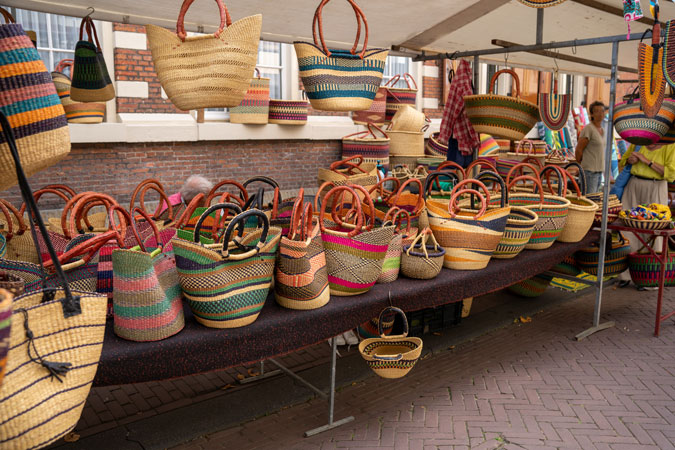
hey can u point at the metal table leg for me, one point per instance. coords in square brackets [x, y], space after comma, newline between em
[263, 375]
[663, 260]
[331, 400]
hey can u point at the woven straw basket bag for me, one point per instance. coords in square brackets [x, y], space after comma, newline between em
[421, 260]
[391, 356]
[288, 112]
[76, 112]
[633, 125]
[340, 80]
[407, 118]
[400, 97]
[301, 277]
[209, 71]
[468, 237]
[374, 114]
[581, 213]
[351, 246]
[502, 116]
[255, 107]
[227, 288]
[435, 147]
[392, 260]
[356, 171]
[373, 147]
[33, 108]
[90, 81]
[616, 259]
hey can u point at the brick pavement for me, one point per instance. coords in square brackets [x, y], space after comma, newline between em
[524, 386]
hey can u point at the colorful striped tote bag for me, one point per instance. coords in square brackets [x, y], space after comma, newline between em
[391, 265]
[340, 80]
[29, 100]
[301, 277]
[147, 296]
[227, 287]
[354, 252]
[374, 148]
[468, 237]
[90, 80]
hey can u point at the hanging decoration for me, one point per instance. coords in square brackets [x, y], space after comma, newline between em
[631, 12]
[650, 69]
[554, 108]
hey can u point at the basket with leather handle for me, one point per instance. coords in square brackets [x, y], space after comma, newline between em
[373, 147]
[634, 126]
[76, 112]
[255, 107]
[581, 212]
[502, 116]
[399, 97]
[90, 80]
[423, 258]
[392, 260]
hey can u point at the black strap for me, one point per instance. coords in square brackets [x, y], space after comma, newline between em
[70, 304]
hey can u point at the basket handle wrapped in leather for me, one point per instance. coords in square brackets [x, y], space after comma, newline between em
[450, 165]
[10, 222]
[492, 176]
[419, 206]
[536, 181]
[17, 215]
[480, 163]
[396, 216]
[318, 23]
[359, 212]
[91, 31]
[562, 179]
[240, 220]
[225, 19]
[380, 329]
[521, 167]
[459, 189]
[214, 192]
[582, 175]
[433, 177]
[516, 81]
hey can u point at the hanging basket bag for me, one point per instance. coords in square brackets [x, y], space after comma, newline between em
[301, 276]
[90, 79]
[634, 126]
[502, 116]
[391, 356]
[582, 211]
[375, 114]
[373, 148]
[255, 107]
[227, 288]
[76, 112]
[469, 238]
[340, 80]
[435, 147]
[407, 118]
[616, 257]
[349, 246]
[422, 260]
[554, 108]
[288, 112]
[398, 98]
[207, 71]
[29, 99]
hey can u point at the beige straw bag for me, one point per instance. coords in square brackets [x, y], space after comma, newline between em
[208, 71]
[407, 118]
[581, 212]
[421, 260]
[356, 171]
[20, 245]
[406, 143]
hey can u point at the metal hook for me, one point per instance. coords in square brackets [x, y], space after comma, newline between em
[91, 11]
[555, 61]
[452, 56]
[506, 59]
[574, 47]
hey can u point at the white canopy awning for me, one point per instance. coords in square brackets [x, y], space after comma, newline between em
[428, 25]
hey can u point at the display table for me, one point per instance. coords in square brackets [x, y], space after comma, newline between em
[277, 330]
[660, 257]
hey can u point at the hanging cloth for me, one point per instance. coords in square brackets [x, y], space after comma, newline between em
[455, 122]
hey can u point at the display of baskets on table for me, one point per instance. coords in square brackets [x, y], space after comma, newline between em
[255, 107]
[391, 356]
[616, 257]
[231, 50]
[340, 80]
[422, 259]
[502, 116]
[227, 288]
[288, 112]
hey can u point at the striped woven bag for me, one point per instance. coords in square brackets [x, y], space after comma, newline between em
[399, 97]
[376, 113]
[650, 73]
[392, 260]
[76, 112]
[5, 323]
[255, 106]
[55, 345]
[634, 126]
[373, 148]
[645, 269]
[147, 302]
[554, 108]
[301, 277]
[91, 81]
[469, 238]
[616, 257]
[288, 112]
[227, 287]
[354, 252]
[28, 98]
[340, 80]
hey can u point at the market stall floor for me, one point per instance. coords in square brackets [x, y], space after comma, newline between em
[525, 385]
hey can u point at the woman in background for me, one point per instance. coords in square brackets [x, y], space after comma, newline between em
[590, 150]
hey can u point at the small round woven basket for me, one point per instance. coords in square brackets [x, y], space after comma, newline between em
[647, 224]
[421, 260]
[391, 356]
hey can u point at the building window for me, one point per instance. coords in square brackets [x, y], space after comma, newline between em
[397, 65]
[270, 64]
[56, 35]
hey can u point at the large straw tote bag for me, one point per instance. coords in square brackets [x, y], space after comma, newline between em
[29, 99]
[634, 126]
[616, 257]
[435, 147]
[301, 276]
[54, 349]
[421, 260]
[374, 114]
[551, 209]
[340, 80]
[255, 106]
[554, 108]
[391, 356]
[76, 112]
[147, 298]
[581, 213]
[406, 143]
[207, 71]
[288, 112]
[468, 237]
[519, 225]
[502, 116]
[373, 148]
[354, 253]
[90, 79]
[407, 118]
[227, 288]
[398, 98]
[352, 170]
[5, 323]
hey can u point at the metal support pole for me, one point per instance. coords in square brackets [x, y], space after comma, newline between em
[540, 26]
[331, 402]
[295, 376]
[476, 74]
[603, 228]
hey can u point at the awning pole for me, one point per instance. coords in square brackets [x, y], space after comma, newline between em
[605, 204]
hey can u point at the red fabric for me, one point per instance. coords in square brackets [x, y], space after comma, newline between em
[455, 122]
